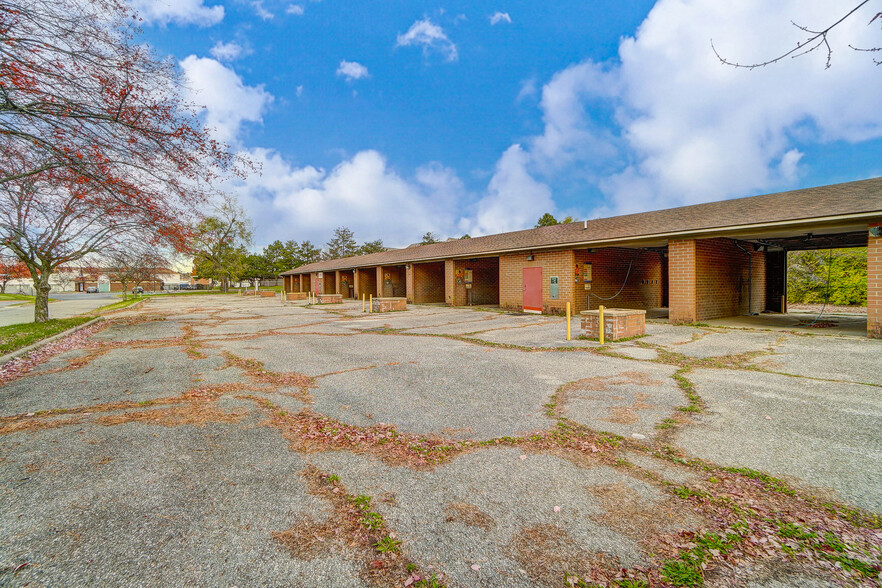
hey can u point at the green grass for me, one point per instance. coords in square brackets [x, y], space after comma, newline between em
[21, 335]
[24, 297]
[116, 305]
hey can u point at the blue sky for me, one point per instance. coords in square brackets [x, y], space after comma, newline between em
[400, 117]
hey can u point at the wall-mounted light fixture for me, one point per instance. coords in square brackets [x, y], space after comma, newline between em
[876, 231]
[530, 257]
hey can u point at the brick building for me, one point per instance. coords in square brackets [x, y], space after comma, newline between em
[700, 262]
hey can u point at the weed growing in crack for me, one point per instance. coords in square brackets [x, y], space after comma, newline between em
[388, 544]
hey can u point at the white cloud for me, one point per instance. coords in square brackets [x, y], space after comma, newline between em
[431, 37]
[295, 9]
[528, 89]
[361, 193]
[514, 200]
[262, 12]
[352, 70]
[226, 51]
[299, 90]
[688, 129]
[227, 100]
[499, 17]
[182, 12]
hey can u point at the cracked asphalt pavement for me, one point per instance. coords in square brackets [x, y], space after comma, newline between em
[234, 441]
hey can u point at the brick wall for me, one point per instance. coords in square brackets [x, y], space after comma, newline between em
[366, 282]
[723, 284]
[485, 281]
[874, 284]
[713, 278]
[397, 279]
[345, 279]
[681, 281]
[609, 267]
[553, 263]
[428, 283]
[449, 282]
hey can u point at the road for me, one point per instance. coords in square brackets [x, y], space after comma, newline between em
[66, 304]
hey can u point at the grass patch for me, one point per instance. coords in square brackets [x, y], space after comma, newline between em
[23, 297]
[14, 337]
[115, 306]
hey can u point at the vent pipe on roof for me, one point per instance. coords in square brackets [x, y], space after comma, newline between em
[585, 226]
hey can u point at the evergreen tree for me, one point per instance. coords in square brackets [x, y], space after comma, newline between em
[371, 247]
[429, 238]
[342, 245]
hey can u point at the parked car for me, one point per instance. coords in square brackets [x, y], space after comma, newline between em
[92, 290]
[137, 290]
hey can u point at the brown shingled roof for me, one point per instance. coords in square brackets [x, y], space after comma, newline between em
[864, 196]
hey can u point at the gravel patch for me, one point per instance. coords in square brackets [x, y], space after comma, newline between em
[833, 358]
[515, 495]
[148, 331]
[729, 342]
[141, 505]
[824, 434]
[131, 375]
[630, 403]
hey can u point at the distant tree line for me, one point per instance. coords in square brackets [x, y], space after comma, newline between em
[808, 272]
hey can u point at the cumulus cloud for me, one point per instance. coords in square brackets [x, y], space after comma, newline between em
[182, 12]
[262, 12]
[431, 37]
[514, 199]
[226, 51]
[352, 70]
[499, 17]
[227, 100]
[690, 129]
[361, 192]
[295, 9]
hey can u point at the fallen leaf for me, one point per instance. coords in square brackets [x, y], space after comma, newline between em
[556, 509]
[476, 567]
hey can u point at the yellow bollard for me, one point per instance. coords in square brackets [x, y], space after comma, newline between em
[362, 303]
[568, 322]
[371, 305]
[600, 324]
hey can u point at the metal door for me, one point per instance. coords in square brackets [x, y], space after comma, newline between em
[532, 289]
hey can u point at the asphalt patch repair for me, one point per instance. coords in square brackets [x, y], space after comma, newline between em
[233, 441]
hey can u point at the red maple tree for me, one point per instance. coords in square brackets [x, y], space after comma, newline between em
[97, 143]
[10, 269]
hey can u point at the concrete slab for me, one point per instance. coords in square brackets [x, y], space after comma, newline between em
[834, 358]
[125, 505]
[728, 342]
[824, 434]
[854, 325]
[511, 502]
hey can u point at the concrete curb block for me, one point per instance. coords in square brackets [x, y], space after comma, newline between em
[18, 352]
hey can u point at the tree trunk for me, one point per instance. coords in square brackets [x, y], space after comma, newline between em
[41, 301]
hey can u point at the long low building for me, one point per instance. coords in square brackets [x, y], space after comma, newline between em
[701, 262]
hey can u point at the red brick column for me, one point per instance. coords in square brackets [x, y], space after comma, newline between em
[449, 282]
[380, 281]
[408, 283]
[874, 284]
[681, 281]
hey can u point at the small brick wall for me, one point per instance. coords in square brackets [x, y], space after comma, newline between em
[329, 298]
[874, 284]
[295, 295]
[428, 283]
[553, 263]
[618, 323]
[386, 304]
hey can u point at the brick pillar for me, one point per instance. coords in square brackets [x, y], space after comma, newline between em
[874, 284]
[337, 283]
[355, 273]
[380, 281]
[408, 283]
[682, 283]
[449, 282]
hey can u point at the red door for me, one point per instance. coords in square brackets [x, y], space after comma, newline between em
[532, 289]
